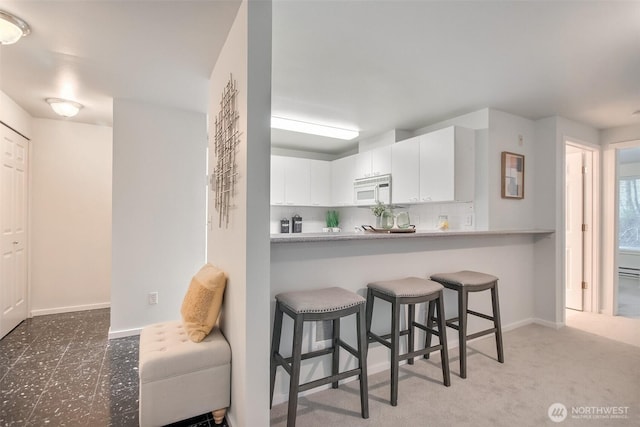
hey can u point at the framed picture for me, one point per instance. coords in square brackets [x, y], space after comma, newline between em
[512, 175]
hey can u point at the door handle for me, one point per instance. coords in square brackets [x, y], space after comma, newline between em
[15, 243]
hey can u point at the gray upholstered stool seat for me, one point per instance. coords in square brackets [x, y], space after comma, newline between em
[409, 291]
[465, 278]
[319, 300]
[408, 287]
[314, 305]
[464, 282]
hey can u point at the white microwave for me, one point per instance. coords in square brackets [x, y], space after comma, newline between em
[369, 191]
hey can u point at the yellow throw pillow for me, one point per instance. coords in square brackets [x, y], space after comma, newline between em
[201, 304]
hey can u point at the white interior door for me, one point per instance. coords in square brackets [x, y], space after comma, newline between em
[574, 200]
[13, 230]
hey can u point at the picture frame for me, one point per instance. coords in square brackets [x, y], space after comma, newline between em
[512, 175]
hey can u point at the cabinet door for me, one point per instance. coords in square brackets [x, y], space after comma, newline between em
[405, 171]
[277, 180]
[343, 173]
[381, 159]
[296, 181]
[320, 183]
[437, 166]
[363, 164]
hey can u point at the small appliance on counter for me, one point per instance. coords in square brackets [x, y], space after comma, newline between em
[284, 225]
[296, 224]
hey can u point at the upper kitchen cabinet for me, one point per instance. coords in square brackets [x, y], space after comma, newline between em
[343, 173]
[373, 162]
[319, 183]
[290, 181]
[447, 165]
[405, 171]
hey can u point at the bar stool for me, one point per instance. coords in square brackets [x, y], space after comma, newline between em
[321, 304]
[464, 282]
[410, 291]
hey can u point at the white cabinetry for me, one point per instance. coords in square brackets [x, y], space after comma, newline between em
[405, 171]
[289, 181]
[343, 173]
[447, 165]
[319, 183]
[300, 182]
[373, 162]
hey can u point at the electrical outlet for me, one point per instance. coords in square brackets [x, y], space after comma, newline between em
[469, 220]
[153, 298]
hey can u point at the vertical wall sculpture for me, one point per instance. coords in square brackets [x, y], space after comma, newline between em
[226, 139]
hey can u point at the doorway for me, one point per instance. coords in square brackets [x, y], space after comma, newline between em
[580, 227]
[628, 235]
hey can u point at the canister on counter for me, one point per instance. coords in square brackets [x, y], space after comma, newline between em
[284, 225]
[296, 224]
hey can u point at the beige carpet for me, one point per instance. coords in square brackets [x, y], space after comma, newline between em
[543, 366]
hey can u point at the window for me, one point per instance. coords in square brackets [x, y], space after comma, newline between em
[629, 209]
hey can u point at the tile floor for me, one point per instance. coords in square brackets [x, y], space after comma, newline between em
[61, 370]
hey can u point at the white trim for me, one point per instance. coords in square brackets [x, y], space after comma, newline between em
[69, 309]
[122, 333]
[547, 324]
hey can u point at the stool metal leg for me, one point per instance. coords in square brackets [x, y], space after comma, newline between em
[462, 330]
[410, 320]
[275, 347]
[335, 363]
[395, 350]
[496, 322]
[362, 362]
[442, 330]
[427, 340]
[295, 371]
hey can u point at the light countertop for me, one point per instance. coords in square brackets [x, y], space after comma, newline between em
[330, 237]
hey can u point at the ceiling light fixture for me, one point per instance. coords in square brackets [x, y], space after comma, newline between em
[12, 28]
[312, 128]
[64, 108]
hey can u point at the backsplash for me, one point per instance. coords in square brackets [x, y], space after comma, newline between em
[424, 216]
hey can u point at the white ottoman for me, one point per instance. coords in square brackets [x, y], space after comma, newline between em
[180, 379]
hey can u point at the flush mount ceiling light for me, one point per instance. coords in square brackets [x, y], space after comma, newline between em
[312, 128]
[12, 28]
[64, 108]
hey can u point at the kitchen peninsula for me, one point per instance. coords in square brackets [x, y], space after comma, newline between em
[351, 260]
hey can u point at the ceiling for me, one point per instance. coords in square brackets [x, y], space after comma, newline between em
[94, 51]
[373, 66]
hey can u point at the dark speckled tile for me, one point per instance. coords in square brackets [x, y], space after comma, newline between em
[61, 370]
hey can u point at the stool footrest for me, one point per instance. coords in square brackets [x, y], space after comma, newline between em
[481, 333]
[350, 349]
[329, 380]
[421, 352]
[484, 316]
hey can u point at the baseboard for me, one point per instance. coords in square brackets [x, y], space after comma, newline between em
[548, 324]
[69, 309]
[122, 333]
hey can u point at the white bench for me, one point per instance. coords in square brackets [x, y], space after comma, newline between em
[180, 379]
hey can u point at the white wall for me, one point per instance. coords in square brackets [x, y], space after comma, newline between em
[12, 115]
[242, 249]
[159, 157]
[70, 216]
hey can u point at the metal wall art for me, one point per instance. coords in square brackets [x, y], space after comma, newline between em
[226, 139]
